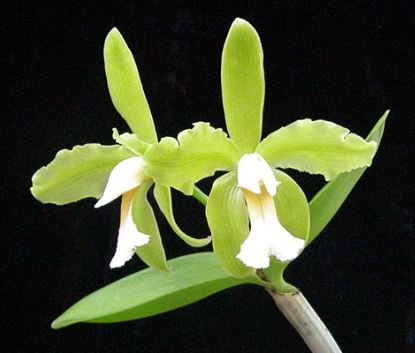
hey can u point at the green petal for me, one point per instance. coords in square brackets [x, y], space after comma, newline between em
[77, 173]
[317, 147]
[130, 141]
[294, 214]
[125, 87]
[197, 154]
[151, 292]
[227, 217]
[163, 197]
[153, 252]
[292, 206]
[328, 200]
[243, 85]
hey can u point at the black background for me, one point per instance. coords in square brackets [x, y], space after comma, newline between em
[344, 61]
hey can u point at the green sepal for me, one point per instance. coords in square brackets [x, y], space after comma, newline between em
[227, 216]
[317, 147]
[76, 174]
[151, 253]
[125, 87]
[328, 200]
[130, 141]
[163, 197]
[150, 292]
[196, 154]
[243, 85]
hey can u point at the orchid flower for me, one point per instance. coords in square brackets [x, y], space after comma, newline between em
[124, 180]
[253, 191]
[108, 172]
[258, 216]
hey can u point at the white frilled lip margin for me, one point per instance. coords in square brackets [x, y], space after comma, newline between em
[267, 237]
[125, 179]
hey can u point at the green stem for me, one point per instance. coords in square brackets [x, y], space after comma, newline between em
[199, 195]
[280, 284]
[275, 275]
[305, 320]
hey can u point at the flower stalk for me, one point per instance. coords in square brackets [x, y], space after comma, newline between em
[199, 195]
[305, 320]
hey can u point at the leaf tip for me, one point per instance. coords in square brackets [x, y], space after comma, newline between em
[59, 323]
[383, 118]
[386, 114]
[54, 325]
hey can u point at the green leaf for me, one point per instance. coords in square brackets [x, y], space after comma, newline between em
[163, 197]
[197, 154]
[77, 173]
[328, 200]
[125, 87]
[153, 252]
[317, 147]
[151, 292]
[292, 206]
[130, 141]
[227, 217]
[243, 85]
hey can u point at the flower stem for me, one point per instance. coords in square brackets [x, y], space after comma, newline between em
[305, 320]
[199, 195]
[275, 275]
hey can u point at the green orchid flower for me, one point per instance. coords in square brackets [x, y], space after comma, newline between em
[108, 172]
[257, 214]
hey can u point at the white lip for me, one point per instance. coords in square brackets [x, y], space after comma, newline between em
[125, 176]
[267, 236]
[129, 237]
